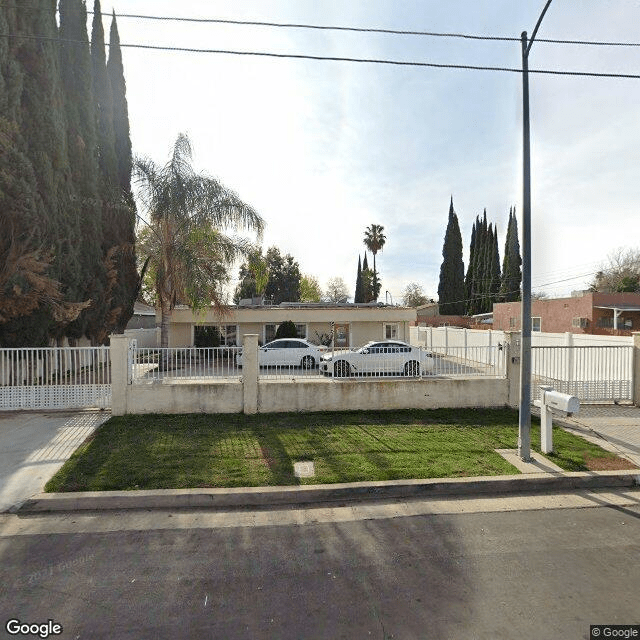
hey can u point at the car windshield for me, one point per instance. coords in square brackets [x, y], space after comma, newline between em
[365, 348]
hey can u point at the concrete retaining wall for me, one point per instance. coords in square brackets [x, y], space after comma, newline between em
[321, 395]
[205, 397]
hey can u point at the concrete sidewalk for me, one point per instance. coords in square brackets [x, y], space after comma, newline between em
[34, 445]
[615, 428]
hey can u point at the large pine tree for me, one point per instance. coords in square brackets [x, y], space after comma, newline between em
[451, 291]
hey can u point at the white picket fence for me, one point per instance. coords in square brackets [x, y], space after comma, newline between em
[55, 378]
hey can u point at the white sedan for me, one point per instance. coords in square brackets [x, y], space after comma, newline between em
[388, 357]
[288, 352]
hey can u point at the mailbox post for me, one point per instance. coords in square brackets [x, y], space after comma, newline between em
[550, 399]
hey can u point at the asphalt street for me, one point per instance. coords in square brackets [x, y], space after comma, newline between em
[528, 567]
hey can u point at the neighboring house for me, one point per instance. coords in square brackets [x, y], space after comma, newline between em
[594, 313]
[144, 317]
[425, 311]
[353, 324]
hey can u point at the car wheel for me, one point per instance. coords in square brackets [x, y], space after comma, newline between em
[341, 369]
[412, 368]
[308, 362]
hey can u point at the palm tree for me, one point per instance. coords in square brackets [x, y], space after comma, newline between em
[184, 243]
[374, 240]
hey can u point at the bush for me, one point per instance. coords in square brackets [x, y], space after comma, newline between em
[287, 330]
[206, 337]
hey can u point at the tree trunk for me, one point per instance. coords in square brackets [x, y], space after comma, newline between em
[164, 326]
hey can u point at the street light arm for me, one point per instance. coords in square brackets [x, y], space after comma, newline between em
[535, 31]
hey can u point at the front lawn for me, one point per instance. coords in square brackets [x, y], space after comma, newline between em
[195, 450]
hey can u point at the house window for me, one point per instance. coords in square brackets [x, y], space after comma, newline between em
[270, 332]
[391, 331]
[536, 324]
[228, 335]
[580, 323]
[301, 331]
[512, 323]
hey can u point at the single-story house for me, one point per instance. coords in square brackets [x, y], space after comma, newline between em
[352, 324]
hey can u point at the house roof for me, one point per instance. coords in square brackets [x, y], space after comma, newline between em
[141, 309]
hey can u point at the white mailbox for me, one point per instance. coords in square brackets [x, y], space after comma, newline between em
[561, 401]
[549, 400]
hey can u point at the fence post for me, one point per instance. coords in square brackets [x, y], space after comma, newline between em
[512, 345]
[568, 341]
[635, 372]
[119, 348]
[250, 372]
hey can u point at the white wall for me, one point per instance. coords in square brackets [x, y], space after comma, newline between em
[149, 338]
[176, 397]
[349, 395]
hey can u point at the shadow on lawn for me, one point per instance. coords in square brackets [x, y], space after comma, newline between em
[275, 455]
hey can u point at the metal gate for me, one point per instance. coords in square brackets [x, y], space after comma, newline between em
[593, 374]
[55, 378]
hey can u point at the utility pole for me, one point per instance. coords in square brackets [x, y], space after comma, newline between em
[524, 421]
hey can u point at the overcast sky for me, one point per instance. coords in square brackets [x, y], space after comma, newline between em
[323, 149]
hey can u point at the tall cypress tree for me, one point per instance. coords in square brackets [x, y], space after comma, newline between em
[110, 196]
[358, 297]
[468, 281]
[41, 121]
[85, 209]
[120, 111]
[21, 208]
[451, 291]
[125, 212]
[496, 276]
[103, 101]
[368, 281]
[511, 270]
[487, 232]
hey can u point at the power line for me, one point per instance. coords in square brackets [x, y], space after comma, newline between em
[402, 32]
[382, 61]
[317, 27]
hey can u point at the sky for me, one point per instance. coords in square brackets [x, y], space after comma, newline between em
[323, 149]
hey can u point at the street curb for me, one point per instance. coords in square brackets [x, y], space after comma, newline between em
[318, 494]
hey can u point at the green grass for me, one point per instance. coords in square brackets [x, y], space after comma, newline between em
[189, 451]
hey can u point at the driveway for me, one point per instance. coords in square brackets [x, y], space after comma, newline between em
[34, 445]
[613, 427]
